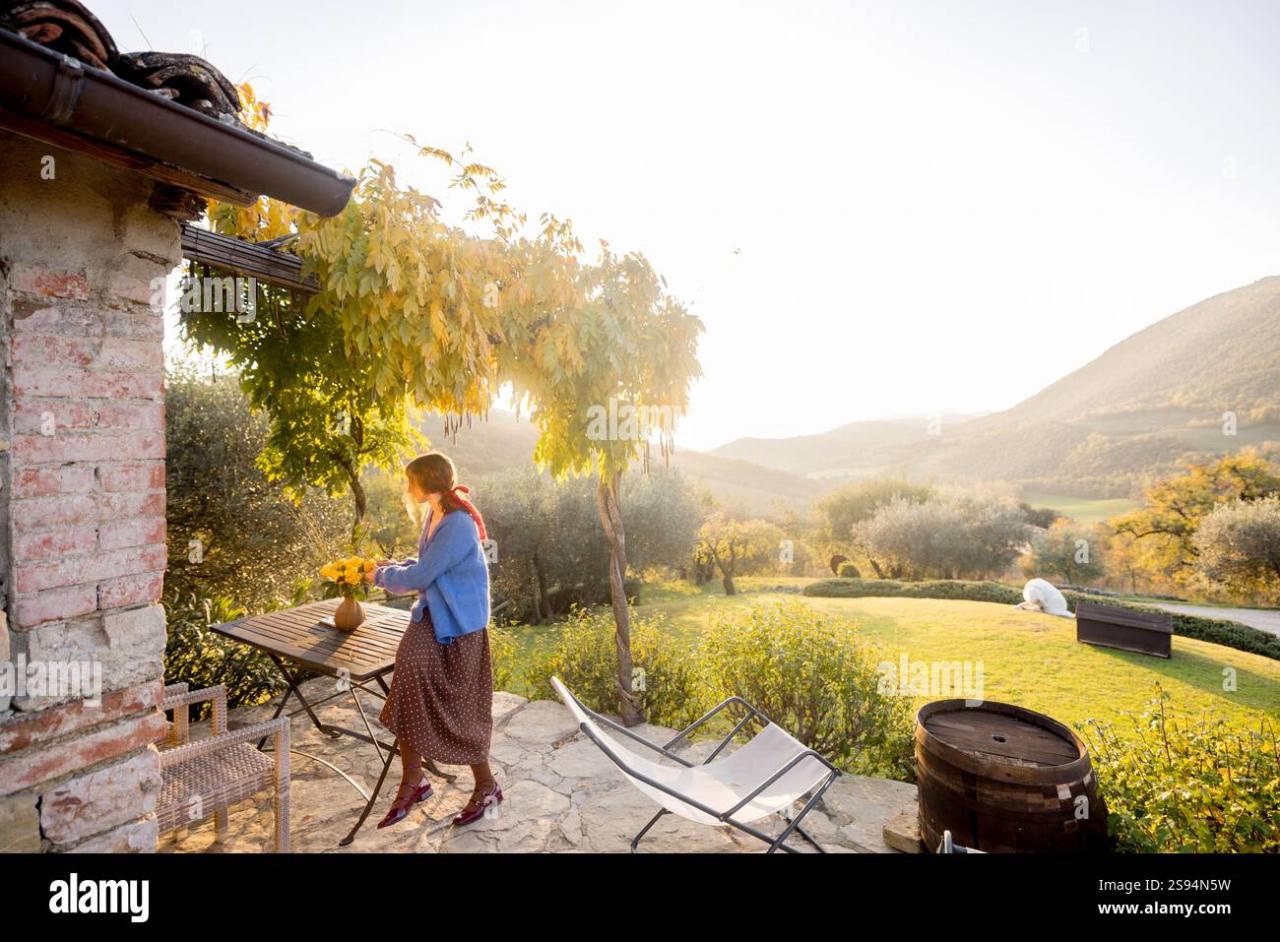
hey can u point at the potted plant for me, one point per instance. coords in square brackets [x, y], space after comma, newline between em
[345, 578]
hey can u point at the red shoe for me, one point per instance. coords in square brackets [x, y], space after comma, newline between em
[400, 807]
[476, 811]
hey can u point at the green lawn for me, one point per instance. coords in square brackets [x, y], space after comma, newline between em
[1082, 509]
[1027, 658]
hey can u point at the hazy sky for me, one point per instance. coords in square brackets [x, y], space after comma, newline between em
[876, 208]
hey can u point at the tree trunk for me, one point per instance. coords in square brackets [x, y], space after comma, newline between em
[357, 487]
[726, 575]
[362, 506]
[727, 569]
[543, 602]
[700, 575]
[611, 519]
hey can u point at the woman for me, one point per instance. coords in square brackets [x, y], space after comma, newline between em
[441, 701]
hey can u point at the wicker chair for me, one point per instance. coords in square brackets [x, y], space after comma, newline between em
[205, 777]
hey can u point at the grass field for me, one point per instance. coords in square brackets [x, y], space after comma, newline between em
[1082, 509]
[1026, 658]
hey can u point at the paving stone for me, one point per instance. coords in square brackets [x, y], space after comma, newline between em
[562, 795]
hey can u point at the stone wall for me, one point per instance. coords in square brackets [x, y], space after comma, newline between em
[82, 501]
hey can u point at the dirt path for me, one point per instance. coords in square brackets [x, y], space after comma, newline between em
[1260, 618]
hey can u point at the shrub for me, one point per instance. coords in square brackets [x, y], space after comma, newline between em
[202, 658]
[225, 518]
[566, 598]
[1181, 786]
[503, 652]
[930, 589]
[811, 675]
[849, 571]
[586, 658]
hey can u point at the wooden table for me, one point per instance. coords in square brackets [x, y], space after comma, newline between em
[297, 641]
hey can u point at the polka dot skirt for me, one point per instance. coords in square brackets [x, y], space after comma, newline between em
[441, 699]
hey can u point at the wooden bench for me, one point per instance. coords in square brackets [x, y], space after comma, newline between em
[1124, 628]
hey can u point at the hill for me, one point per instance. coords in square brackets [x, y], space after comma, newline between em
[1128, 415]
[497, 443]
[1131, 413]
[503, 442]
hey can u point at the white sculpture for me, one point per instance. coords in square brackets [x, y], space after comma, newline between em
[1042, 596]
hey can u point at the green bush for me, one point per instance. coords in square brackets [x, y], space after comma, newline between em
[200, 657]
[849, 571]
[503, 651]
[583, 595]
[1188, 787]
[809, 673]
[813, 676]
[585, 657]
[231, 531]
[1218, 631]
[844, 588]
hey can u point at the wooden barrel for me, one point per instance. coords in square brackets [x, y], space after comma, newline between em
[1004, 779]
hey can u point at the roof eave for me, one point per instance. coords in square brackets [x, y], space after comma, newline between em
[59, 99]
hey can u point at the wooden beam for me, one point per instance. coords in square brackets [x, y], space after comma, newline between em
[247, 258]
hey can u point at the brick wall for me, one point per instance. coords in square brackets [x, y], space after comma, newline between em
[82, 502]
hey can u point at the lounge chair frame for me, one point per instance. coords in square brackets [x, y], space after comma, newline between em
[725, 817]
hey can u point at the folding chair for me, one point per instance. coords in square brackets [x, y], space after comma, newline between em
[763, 777]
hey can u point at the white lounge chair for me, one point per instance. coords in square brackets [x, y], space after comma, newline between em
[763, 777]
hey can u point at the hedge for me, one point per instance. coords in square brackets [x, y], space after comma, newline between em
[926, 589]
[1230, 634]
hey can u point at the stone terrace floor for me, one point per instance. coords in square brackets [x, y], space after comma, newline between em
[562, 794]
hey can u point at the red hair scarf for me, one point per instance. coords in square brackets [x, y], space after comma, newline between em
[457, 492]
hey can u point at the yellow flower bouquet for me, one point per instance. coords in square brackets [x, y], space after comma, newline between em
[345, 577]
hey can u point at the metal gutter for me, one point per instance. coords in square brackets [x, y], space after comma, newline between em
[48, 88]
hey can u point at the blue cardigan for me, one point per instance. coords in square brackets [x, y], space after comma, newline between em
[450, 576]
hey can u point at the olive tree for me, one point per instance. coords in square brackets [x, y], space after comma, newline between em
[1238, 548]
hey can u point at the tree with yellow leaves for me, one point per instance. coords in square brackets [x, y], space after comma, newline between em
[1163, 530]
[415, 312]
